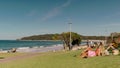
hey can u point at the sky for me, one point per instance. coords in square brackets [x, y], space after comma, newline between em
[21, 18]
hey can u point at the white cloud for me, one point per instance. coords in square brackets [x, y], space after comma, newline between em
[52, 13]
[56, 11]
[112, 25]
[66, 4]
[32, 13]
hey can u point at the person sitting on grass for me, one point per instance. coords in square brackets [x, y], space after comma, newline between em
[100, 51]
[88, 52]
[91, 52]
[115, 51]
[113, 46]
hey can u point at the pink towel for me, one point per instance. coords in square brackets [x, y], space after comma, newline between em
[91, 53]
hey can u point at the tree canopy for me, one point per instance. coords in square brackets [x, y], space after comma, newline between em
[75, 39]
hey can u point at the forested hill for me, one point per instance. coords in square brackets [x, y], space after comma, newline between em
[42, 37]
[58, 37]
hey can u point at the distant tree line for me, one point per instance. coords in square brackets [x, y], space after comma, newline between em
[93, 37]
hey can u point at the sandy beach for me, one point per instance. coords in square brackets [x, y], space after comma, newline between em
[40, 49]
[36, 49]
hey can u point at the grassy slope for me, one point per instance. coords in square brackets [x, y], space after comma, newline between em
[64, 60]
[5, 55]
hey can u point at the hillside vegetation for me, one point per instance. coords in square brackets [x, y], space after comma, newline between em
[58, 37]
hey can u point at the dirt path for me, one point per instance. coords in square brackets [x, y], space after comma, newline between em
[28, 55]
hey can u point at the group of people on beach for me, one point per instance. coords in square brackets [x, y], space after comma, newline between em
[100, 50]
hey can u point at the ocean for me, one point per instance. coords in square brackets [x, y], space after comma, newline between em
[8, 44]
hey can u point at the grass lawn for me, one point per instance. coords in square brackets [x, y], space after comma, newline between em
[5, 55]
[64, 60]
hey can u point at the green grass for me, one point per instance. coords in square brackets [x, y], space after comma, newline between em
[64, 60]
[5, 55]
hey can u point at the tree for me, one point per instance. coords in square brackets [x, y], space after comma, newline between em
[74, 38]
[56, 37]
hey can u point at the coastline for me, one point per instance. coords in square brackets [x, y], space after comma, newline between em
[36, 49]
[9, 44]
[42, 49]
[22, 46]
[38, 40]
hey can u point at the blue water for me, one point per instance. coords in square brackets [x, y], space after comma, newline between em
[8, 44]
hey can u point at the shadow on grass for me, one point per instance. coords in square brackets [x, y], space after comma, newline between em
[1, 57]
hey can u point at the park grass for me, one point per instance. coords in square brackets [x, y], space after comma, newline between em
[67, 59]
[5, 55]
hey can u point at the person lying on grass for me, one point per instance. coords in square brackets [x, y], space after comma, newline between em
[90, 51]
[114, 48]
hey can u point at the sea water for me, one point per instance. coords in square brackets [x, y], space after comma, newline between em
[8, 44]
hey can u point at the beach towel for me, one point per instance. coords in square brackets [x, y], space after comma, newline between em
[91, 53]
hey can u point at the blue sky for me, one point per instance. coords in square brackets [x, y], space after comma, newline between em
[19, 18]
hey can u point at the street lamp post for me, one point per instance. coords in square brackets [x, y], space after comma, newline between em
[106, 38]
[70, 33]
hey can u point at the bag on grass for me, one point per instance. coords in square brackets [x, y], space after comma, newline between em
[107, 52]
[115, 52]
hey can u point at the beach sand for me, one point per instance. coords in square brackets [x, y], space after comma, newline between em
[40, 49]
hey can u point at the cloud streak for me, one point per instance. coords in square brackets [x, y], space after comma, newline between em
[56, 11]
[111, 25]
[32, 13]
